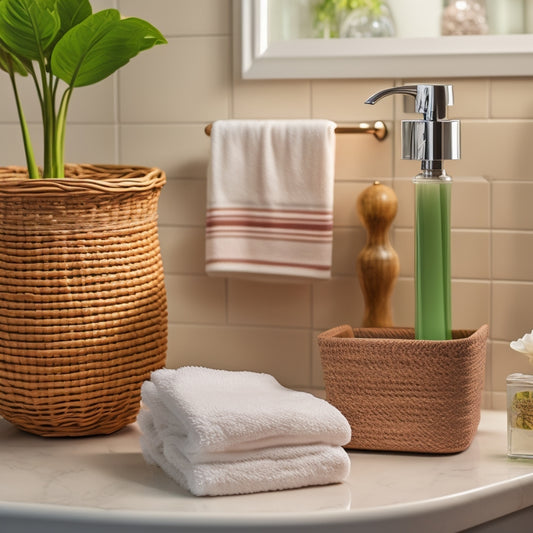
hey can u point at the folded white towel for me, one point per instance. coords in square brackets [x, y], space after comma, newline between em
[213, 411]
[270, 199]
[278, 468]
[217, 432]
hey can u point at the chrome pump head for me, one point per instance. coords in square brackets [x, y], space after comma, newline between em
[432, 139]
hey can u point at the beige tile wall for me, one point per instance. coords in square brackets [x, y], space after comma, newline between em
[154, 112]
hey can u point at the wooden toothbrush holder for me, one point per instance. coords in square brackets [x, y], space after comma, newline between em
[402, 394]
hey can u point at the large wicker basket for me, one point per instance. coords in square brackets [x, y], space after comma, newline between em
[402, 394]
[83, 314]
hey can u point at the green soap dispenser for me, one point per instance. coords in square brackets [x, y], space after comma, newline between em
[430, 140]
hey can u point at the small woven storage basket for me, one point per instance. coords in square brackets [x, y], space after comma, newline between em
[402, 394]
[83, 314]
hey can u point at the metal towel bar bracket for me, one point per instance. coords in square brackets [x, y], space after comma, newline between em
[378, 129]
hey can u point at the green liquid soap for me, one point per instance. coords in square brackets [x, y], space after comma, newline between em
[430, 141]
[432, 259]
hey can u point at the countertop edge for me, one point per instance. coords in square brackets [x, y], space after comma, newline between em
[440, 514]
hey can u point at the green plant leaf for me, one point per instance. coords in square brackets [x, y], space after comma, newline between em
[143, 32]
[28, 27]
[10, 64]
[100, 45]
[71, 13]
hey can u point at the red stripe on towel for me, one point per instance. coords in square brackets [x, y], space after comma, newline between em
[270, 263]
[255, 236]
[269, 224]
[269, 210]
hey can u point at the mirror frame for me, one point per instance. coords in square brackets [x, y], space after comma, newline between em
[420, 57]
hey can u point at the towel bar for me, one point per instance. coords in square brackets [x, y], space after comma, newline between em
[378, 129]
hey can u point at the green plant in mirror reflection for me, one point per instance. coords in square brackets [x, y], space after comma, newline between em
[329, 13]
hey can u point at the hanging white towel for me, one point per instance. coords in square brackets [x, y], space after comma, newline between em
[270, 199]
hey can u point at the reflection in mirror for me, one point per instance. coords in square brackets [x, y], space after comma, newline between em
[304, 19]
[417, 38]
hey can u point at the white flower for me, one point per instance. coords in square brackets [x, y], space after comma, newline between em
[524, 345]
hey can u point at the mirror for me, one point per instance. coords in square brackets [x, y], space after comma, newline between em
[267, 53]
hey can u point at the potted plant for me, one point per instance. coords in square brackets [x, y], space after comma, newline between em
[83, 317]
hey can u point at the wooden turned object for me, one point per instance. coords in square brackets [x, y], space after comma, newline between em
[377, 263]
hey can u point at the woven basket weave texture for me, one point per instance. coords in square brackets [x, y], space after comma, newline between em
[83, 313]
[402, 394]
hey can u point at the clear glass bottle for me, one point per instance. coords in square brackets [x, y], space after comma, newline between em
[520, 415]
[369, 21]
[464, 17]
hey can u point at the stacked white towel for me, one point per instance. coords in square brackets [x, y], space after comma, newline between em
[217, 432]
[270, 199]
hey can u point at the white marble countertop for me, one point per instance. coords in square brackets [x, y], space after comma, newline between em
[103, 484]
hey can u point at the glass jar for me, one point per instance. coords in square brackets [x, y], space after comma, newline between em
[464, 17]
[520, 415]
[368, 21]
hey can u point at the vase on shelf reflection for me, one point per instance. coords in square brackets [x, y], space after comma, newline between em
[369, 21]
[464, 17]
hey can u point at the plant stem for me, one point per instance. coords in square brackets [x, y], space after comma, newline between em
[33, 170]
[61, 123]
[57, 153]
[31, 70]
[49, 170]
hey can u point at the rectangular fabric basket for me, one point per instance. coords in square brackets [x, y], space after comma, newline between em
[402, 394]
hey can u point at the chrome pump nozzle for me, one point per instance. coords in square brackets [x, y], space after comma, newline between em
[434, 138]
